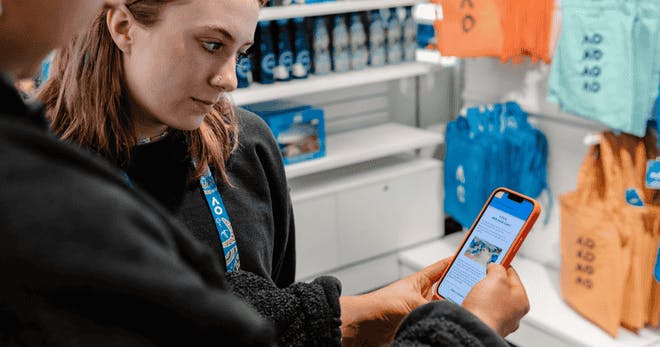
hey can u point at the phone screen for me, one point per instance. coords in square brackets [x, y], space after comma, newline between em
[490, 240]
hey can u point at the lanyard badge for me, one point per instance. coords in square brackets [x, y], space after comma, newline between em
[221, 219]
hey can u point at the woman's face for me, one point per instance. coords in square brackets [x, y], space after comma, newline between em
[177, 69]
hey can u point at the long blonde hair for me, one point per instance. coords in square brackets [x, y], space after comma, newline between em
[86, 103]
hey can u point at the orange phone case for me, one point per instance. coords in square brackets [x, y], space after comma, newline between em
[506, 261]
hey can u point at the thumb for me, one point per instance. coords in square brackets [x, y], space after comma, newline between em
[496, 270]
[432, 273]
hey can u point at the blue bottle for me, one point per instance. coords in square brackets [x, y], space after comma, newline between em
[340, 53]
[244, 71]
[409, 36]
[284, 61]
[394, 35]
[321, 48]
[302, 61]
[266, 54]
[377, 54]
[358, 43]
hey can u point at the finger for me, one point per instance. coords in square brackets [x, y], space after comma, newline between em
[514, 279]
[433, 272]
[495, 270]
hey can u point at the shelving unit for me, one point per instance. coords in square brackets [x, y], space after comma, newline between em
[314, 84]
[361, 145]
[326, 8]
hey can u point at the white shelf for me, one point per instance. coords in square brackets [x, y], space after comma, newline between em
[359, 175]
[366, 144]
[326, 8]
[314, 84]
[550, 318]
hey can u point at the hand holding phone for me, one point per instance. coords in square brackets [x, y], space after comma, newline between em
[499, 300]
[495, 237]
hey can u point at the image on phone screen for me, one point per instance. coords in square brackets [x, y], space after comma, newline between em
[491, 238]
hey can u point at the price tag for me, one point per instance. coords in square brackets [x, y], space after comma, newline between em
[653, 174]
[633, 199]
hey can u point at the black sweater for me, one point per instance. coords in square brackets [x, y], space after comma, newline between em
[257, 201]
[85, 261]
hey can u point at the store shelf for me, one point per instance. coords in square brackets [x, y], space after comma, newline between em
[326, 8]
[361, 145]
[550, 322]
[314, 84]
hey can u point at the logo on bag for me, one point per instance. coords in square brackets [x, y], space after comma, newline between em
[460, 174]
[460, 193]
[633, 199]
[586, 257]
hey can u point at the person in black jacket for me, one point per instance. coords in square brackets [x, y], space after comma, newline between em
[90, 261]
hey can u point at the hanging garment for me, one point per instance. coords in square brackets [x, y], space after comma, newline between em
[526, 28]
[469, 28]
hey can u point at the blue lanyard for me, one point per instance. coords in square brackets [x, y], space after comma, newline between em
[220, 217]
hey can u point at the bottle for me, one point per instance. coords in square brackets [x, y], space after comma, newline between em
[284, 61]
[409, 36]
[244, 71]
[340, 58]
[358, 43]
[376, 39]
[266, 54]
[394, 47]
[302, 61]
[321, 47]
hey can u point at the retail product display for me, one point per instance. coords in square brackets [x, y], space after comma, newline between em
[606, 64]
[610, 227]
[298, 129]
[339, 43]
[244, 71]
[508, 29]
[488, 148]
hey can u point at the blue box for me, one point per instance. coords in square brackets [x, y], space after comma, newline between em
[298, 129]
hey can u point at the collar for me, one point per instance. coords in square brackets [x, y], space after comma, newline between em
[13, 105]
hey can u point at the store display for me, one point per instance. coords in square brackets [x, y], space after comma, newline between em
[499, 131]
[284, 61]
[339, 42]
[298, 129]
[606, 64]
[302, 61]
[266, 54]
[610, 228]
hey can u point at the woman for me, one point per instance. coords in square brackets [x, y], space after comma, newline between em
[145, 87]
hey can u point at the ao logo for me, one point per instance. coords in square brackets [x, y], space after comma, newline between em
[460, 193]
[655, 175]
[268, 63]
[460, 190]
[460, 174]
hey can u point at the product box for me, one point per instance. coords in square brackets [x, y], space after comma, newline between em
[298, 129]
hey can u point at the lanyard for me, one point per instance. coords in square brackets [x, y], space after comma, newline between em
[220, 218]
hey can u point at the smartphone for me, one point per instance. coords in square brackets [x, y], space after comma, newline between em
[499, 230]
